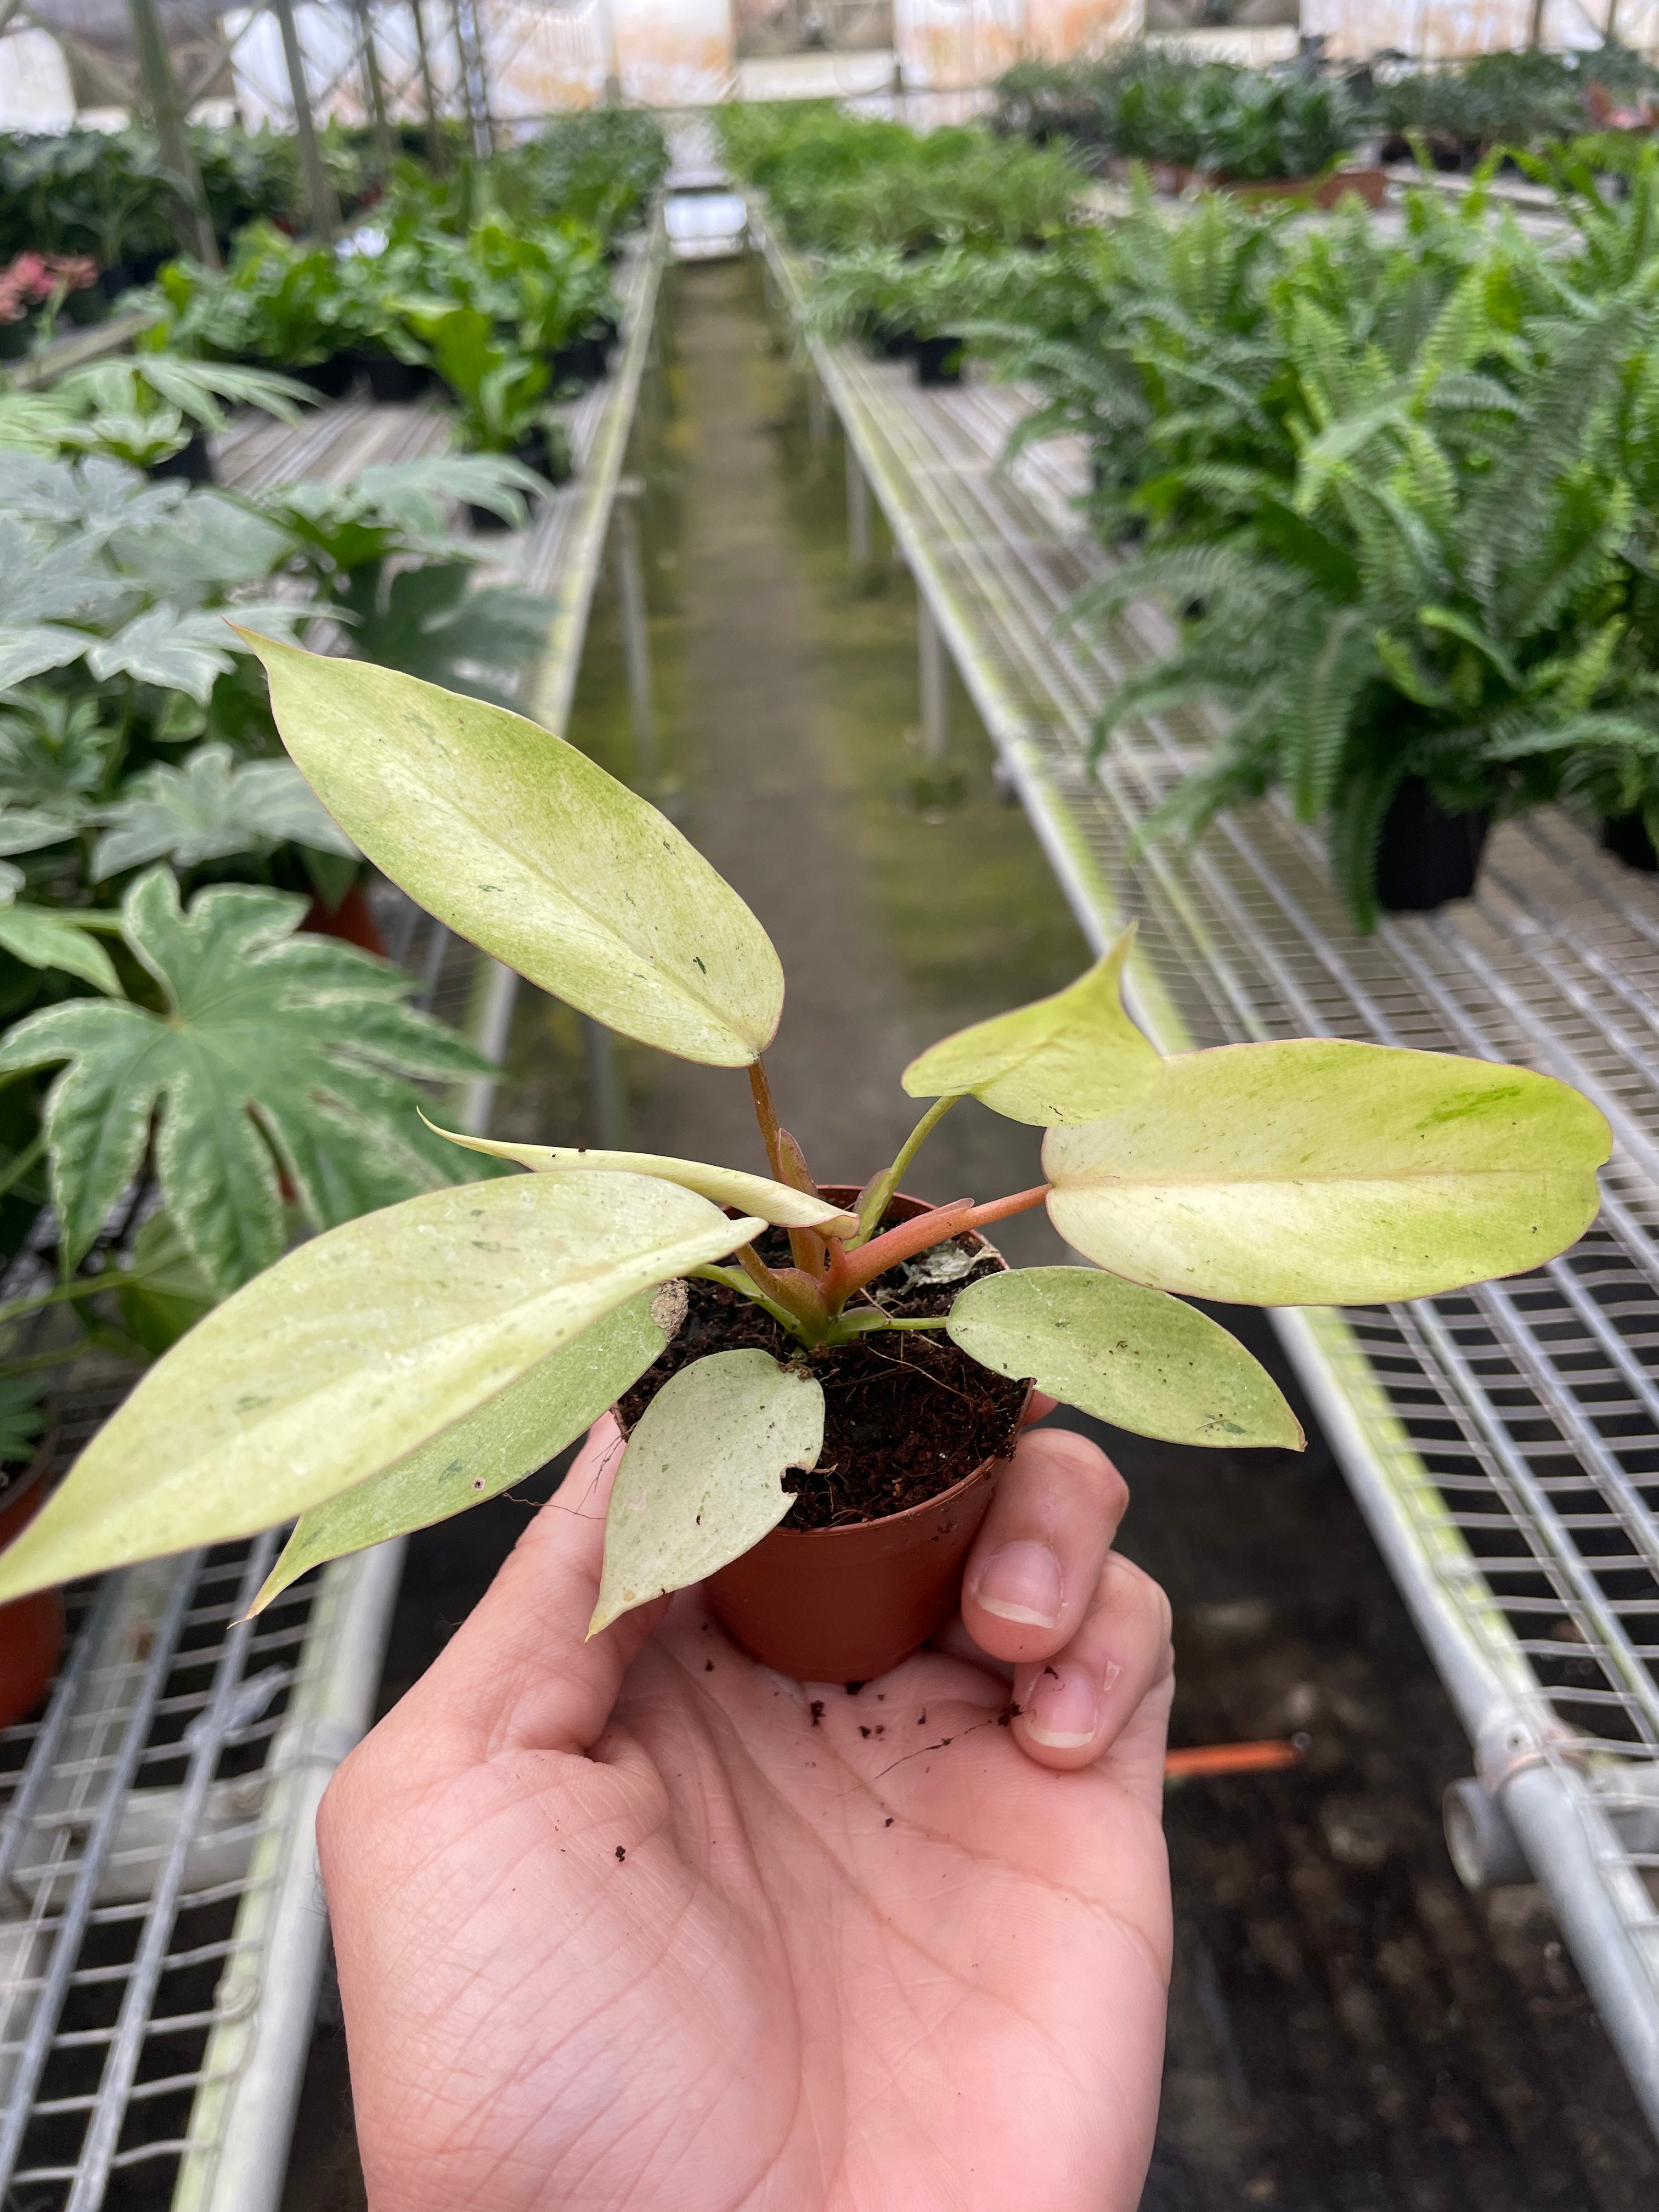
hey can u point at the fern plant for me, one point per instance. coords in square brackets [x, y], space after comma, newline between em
[1453, 589]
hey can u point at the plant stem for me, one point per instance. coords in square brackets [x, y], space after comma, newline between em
[874, 1201]
[804, 1303]
[88, 1286]
[919, 1234]
[766, 1115]
[733, 1281]
[999, 1209]
[18, 1168]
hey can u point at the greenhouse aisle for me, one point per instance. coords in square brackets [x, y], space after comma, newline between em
[1350, 2032]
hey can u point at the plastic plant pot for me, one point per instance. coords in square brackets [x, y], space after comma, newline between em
[394, 383]
[15, 337]
[31, 1628]
[1626, 836]
[844, 1605]
[330, 378]
[939, 362]
[352, 920]
[193, 462]
[583, 362]
[1426, 856]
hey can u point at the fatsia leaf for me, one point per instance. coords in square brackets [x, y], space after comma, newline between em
[506, 1439]
[209, 808]
[520, 842]
[1073, 1057]
[434, 623]
[274, 1050]
[354, 1350]
[1136, 1358]
[1327, 1172]
[48, 937]
[180, 651]
[166, 1293]
[701, 1482]
[773, 1201]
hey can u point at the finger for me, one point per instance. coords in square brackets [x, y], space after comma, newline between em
[520, 1671]
[1035, 1563]
[1075, 1706]
[1038, 1407]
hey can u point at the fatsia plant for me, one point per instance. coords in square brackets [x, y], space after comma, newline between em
[400, 1367]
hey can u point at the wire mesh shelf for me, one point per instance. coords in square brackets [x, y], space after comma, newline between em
[162, 1926]
[1504, 1442]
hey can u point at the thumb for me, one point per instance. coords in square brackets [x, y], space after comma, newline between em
[519, 1673]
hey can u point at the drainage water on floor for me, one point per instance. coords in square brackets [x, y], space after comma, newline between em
[1349, 2031]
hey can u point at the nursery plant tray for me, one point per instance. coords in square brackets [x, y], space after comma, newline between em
[161, 1928]
[1503, 1443]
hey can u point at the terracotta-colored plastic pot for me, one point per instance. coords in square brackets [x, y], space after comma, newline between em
[352, 922]
[31, 1628]
[843, 1605]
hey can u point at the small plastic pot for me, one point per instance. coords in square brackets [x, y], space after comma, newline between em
[330, 378]
[1425, 855]
[939, 362]
[352, 922]
[31, 1628]
[394, 383]
[584, 360]
[1626, 836]
[193, 462]
[17, 338]
[844, 1605]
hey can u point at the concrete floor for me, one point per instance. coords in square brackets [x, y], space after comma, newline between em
[1350, 2032]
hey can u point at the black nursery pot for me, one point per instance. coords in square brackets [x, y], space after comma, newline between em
[15, 337]
[1626, 836]
[583, 362]
[533, 453]
[1426, 856]
[330, 378]
[892, 342]
[394, 383]
[939, 360]
[193, 462]
[85, 307]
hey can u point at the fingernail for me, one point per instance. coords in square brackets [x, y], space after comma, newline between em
[1022, 1582]
[1061, 1708]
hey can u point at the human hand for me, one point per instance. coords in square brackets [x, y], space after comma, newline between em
[638, 1923]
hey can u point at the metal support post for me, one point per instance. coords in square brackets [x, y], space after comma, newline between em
[167, 111]
[857, 512]
[374, 84]
[636, 636]
[935, 695]
[325, 208]
[475, 84]
[437, 146]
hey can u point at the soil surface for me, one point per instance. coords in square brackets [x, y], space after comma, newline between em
[906, 1413]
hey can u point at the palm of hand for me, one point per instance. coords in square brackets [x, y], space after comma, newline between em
[733, 1956]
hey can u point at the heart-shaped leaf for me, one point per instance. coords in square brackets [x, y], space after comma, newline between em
[521, 843]
[1322, 1172]
[1136, 1358]
[506, 1439]
[773, 1201]
[701, 1482]
[353, 1351]
[1073, 1057]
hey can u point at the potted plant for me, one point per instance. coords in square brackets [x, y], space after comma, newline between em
[32, 1627]
[399, 1368]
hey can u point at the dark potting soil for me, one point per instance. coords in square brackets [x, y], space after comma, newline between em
[907, 1414]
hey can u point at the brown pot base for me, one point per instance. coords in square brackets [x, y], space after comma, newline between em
[846, 1601]
[31, 1628]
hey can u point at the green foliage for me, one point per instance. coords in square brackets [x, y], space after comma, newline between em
[840, 182]
[21, 1418]
[273, 1052]
[1146, 103]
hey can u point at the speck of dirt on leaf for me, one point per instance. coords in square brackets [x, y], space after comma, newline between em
[852, 1688]
[818, 1710]
[621, 1853]
[708, 1666]
[863, 1730]
[887, 1822]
